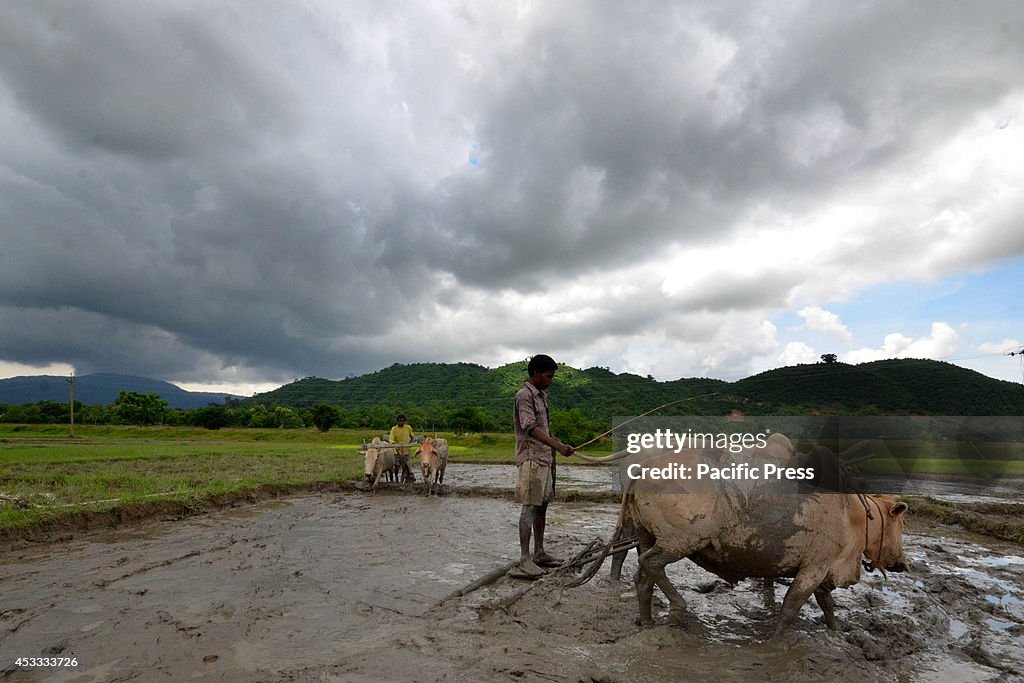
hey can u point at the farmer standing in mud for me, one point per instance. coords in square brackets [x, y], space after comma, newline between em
[402, 433]
[535, 458]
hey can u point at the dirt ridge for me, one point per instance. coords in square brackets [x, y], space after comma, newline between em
[1004, 521]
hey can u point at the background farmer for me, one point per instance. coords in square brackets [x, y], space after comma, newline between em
[402, 433]
[535, 458]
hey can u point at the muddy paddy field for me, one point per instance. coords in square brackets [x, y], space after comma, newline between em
[349, 586]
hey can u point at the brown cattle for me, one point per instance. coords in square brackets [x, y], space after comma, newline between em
[738, 531]
[430, 463]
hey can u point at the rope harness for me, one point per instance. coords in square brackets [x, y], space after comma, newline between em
[869, 564]
[846, 473]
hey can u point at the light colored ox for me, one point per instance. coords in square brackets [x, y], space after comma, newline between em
[816, 538]
[433, 461]
[379, 461]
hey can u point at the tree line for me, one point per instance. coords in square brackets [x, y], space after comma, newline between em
[134, 408]
[468, 398]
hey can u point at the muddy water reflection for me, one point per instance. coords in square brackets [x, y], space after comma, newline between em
[603, 478]
[567, 477]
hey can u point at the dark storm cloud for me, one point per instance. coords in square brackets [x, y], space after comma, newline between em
[280, 187]
[144, 79]
[669, 141]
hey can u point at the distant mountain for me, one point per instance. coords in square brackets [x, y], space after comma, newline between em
[101, 389]
[889, 387]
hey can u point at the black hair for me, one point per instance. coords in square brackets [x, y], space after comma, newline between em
[541, 363]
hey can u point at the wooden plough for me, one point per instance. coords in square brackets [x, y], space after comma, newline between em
[593, 552]
[384, 444]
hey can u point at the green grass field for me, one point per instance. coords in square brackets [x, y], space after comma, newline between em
[44, 474]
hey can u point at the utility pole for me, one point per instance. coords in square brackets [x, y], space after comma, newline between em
[1019, 353]
[71, 381]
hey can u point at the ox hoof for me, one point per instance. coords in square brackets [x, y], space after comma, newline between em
[676, 617]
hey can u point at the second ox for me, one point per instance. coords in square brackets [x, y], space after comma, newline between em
[433, 461]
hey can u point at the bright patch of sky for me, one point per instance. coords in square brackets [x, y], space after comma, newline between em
[963, 318]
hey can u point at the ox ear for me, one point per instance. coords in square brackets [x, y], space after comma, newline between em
[898, 509]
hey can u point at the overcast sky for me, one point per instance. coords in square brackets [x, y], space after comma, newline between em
[235, 194]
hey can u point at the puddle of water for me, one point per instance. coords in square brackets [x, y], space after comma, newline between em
[896, 598]
[1013, 606]
[567, 477]
[958, 629]
[1001, 561]
[602, 478]
[956, 490]
[998, 625]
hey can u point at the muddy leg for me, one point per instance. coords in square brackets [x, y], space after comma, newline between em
[654, 562]
[526, 526]
[823, 596]
[618, 558]
[804, 584]
[768, 593]
[643, 581]
[540, 515]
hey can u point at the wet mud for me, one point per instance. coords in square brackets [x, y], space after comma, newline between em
[350, 586]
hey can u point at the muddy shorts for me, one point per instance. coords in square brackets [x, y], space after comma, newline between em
[535, 484]
[402, 458]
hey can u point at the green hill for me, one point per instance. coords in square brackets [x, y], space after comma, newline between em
[891, 387]
[886, 387]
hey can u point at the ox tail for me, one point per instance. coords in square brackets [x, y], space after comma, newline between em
[595, 566]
